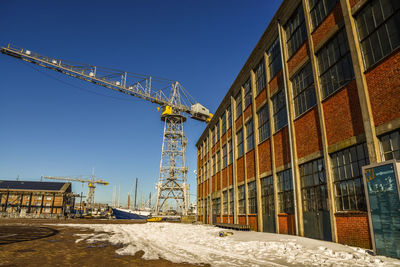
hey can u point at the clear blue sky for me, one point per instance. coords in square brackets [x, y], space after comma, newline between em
[50, 128]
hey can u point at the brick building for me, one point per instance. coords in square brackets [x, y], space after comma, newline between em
[318, 98]
[28, 197]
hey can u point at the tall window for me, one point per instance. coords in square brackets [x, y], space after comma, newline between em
[230, 151]
[263, 123]
[242, 199]
[218, 161]
[296, 31]
[223, 123]
[247, 93]
[279, 108]
[347, 177]
[303, 90]
[319, 9]
[249, 135]
[224, 157]
[274, 59]
[260, 76]
[390, 145]
[313, 185]
[225, 202]
[217, 206]
[240, 144]
[267, 195]
[229, 110]
[378, 26]
[238, 100]
[212, 137]
[335, 65]
[285, 191]
[217, 132]
[252, 198]
[231, 201]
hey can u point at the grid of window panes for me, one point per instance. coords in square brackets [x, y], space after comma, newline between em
[319, 9]
[263, 123]
[347, 177]
[252, 198]
[240, 144]
[218, 161]
[229, 110]
[249, 135]
[212, 137]
[231, 201]
[247, 93]
[335, 64]
[390, 145]
[303, 90]
[267, 195]
[224, 157]
[238, 100]
[213, 166]
[260, 76]
[285, 191]
[216, 206]
[223, 123]
[279, 109]
[242, 199]
[217, 133]
[274, 59]
[296, 31]
[230, 145]
[378, 26]
[313, 185]
[225, 202]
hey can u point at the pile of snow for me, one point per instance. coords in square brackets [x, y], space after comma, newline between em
[201, 244]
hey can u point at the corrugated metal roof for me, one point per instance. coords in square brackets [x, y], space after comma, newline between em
[31, 185]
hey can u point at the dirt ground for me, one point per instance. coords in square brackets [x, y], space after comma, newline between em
[31, 242]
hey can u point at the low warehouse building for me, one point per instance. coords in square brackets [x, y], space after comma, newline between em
[29, 197]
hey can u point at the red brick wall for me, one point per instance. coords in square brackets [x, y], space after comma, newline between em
[282, 147]
[225, 218]
[275, 82]
[224, 178]
[200, 218]
[229, 132]
[250, 166]
[384, 89]
[218, 219]
[298, 57]
[199, 190]
[286, 224]
[343, 114]
[240, 169]
[253, 222]
[206, 187]
[261, 97]
[238, 123]
[219, 181]
[330, 21]
[353, 229]
[230, 219]
[242, 219]
[264, 156]
[307, 130]
[248, 112]
[230, 168]
[213, 183]
[223, 138]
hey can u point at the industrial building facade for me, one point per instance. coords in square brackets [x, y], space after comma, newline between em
[317, 99]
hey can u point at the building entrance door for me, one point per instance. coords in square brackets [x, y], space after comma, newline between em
[381, 183]
[317, 223]
[268, 206]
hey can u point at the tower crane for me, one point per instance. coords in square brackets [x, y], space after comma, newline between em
[176, 105]
[80, 178]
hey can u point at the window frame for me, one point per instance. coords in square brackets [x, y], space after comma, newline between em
[260, 76]
[240, 143]
[252, 197]
[278, 109]
[249, 125]
[303, 92]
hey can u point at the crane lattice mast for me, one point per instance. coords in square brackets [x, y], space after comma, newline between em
[175, 105]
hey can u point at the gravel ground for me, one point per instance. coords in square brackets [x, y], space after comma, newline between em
[32, 242]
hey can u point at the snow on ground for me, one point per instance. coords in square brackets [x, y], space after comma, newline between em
[201, 244]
